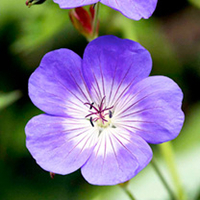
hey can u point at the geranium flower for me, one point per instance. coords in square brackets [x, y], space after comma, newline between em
[101, 111]
[133, 9]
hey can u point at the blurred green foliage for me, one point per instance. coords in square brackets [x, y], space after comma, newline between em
[195, 2]
[7, 99]
[26, 34]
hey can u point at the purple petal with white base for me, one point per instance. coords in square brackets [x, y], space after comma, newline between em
[117, 158]
[117, 65]
[59, 75]
[59, 144]
[152, 110]
[133, 9]
[101, 111]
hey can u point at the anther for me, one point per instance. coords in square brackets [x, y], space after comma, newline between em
[91, 105]
[91, 122]
[110, 114]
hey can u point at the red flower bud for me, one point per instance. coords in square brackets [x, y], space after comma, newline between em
[52, 175]
[83, 21]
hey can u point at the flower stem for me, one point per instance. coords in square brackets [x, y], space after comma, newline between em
[168, 154]
[124, 187]
[95, 22]
[171, 194]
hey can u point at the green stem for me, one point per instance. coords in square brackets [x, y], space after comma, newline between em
[171, 194]
[95, 22]
[124, 187]
[168, 154]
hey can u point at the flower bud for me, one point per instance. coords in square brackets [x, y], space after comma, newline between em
[83, 21]
[52, 175]
[29, 3]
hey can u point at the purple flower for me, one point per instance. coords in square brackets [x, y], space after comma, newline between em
[133, 9]
[101, 111]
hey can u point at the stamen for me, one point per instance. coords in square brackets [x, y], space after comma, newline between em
[101, 104]
[99, 112]
[110, 114]
[91, 105]
[91, 122]
[107, 108]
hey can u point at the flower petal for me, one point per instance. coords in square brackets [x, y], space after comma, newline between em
[153, 110]
[67, 4]
[133, 9]
[112, 65]
[57, 87]
[117, 157]
[58, 144]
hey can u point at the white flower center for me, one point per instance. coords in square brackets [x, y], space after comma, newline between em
[100, 115]
[104, 124]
